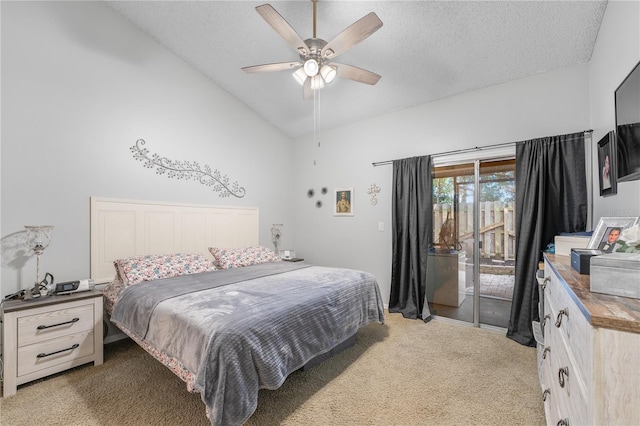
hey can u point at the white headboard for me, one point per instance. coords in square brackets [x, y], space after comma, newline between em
[123, 228]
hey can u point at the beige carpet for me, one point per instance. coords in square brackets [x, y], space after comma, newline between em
[403, 373]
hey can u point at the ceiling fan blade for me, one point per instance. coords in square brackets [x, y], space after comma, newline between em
[352, 35]
[280, 66]
[356, 74]
[282, 27]
[307, 92]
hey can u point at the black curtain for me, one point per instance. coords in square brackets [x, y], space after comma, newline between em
[551, 197]
[412, 229]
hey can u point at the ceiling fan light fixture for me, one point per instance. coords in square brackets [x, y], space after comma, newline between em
[311, 67]
[317, 82]
[300, 75]
[328, 73]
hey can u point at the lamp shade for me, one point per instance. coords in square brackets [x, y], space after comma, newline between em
[38, 237]
[311, 67]
[300, 75]
[328, 73]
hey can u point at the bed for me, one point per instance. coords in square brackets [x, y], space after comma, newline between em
[228, 319]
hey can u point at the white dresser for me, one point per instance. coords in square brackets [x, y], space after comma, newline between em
[589, 356]
[49, 335]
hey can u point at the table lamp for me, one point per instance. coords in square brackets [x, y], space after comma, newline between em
[38, 239]
[276, 230]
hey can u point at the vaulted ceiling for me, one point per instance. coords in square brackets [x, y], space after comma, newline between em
[425, 50]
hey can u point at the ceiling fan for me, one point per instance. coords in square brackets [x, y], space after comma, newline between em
[315, 67]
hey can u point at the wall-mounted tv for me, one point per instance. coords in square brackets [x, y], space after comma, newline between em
[627, 98]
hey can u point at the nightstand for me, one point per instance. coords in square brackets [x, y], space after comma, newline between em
[50, 334]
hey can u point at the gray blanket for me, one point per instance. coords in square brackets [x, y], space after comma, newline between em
[240, 330]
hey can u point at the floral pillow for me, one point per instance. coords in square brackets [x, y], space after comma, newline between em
[134, 270]
[225, 258]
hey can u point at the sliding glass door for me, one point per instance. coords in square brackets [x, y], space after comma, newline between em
[470, 267]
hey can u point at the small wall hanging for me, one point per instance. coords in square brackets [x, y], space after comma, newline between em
[343, 199]
[311, 193]
[188, 170]
[607, 168]
[373, 191]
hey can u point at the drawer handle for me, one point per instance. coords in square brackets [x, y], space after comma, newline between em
[545, 394]
[42, 355]
[562, 373]
[544, 321]
[44, 327]
[564, 311]
[544, 353]
[544, 283]
[563, 422]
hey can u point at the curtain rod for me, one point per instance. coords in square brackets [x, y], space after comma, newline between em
[457, 151]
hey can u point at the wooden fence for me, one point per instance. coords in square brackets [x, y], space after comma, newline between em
[497, 227]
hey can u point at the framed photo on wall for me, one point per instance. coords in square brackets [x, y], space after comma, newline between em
[343, 202]
[608, 231]
[607, 165]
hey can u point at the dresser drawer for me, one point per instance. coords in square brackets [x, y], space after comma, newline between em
[578, 407]
[61, 350]
[55, 323]
[554, 402]
[566, 380]
[572, 326]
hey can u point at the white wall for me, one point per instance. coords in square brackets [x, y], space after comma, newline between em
[616, 52]
[80, 85]
[559, 102]
[548, 104]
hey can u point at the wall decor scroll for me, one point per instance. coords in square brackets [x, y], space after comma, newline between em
[187, 170]
[373, 191]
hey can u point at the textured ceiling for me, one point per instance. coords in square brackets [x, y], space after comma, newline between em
[426, 50]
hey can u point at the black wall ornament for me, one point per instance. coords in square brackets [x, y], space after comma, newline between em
[187, 170]
[311, 192]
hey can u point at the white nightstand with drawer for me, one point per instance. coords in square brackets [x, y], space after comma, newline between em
[50, 334]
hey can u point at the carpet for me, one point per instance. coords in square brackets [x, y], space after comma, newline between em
[405, 372]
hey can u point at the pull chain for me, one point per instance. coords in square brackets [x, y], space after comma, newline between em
[316, 119]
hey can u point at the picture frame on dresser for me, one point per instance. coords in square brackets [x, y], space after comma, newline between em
[609, 226]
